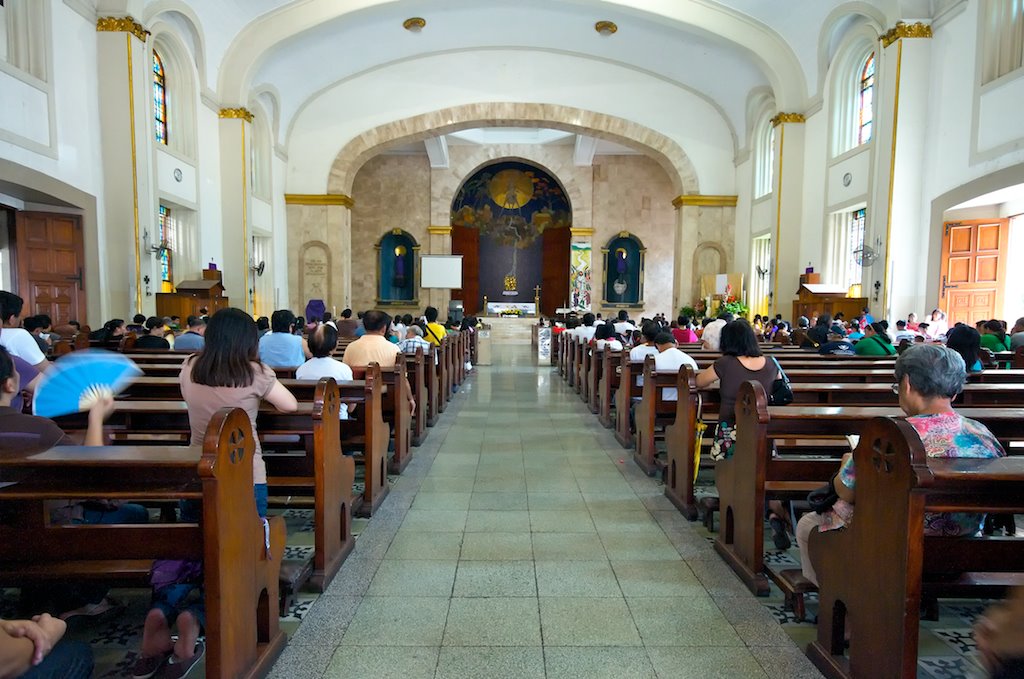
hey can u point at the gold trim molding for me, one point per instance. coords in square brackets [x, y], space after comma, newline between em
[439, 230]
[583, 232]
[905, 30]
[781, 118]
[700, 200]
[121, 25]
[236, 113]
[319, 199]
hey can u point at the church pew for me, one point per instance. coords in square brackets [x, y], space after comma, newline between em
[432, 380]
[680, 436]
[444, 388]
[397, 414]
[885, 375]
[873, 573]
[753, 473]
[607, 385]
[594, 379]
[584, 370]
[144, 422]
[240, 577]
[651, 411]
[572, 364]
[415, 371]
[624, 395]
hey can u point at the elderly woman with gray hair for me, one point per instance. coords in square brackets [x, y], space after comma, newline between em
[928, 378]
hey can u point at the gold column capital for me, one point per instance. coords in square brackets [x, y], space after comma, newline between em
[781, 118]
[319, 199]
[905, 30]
[702, 200]
[240, 113]
[583, 232]
[439, 230]
[121, 25]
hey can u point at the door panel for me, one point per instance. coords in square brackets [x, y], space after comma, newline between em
[51, 264]
[555, 277]
[466, 242]
[973, 270]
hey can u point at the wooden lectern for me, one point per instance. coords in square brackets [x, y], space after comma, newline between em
[814, 299]
[190, 296]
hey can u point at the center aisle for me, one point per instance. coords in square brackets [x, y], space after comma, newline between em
[522, 542]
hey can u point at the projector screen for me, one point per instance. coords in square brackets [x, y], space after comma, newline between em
[441, 271]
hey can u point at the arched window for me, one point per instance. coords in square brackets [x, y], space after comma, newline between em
[865, 108]
[765, 159]
[159, 99]
[1003, 43]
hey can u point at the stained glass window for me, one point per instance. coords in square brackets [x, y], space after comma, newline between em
[855, 243]
[865, 109]
[166, 246]
[159, 99]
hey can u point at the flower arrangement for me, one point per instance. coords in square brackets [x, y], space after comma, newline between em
[734, 306]
[510, 313]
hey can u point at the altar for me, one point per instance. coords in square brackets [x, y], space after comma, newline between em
[511, 309]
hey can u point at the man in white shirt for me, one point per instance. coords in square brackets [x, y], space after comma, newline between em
[712, 336]
[670, 359]
[586, 331]
[18, 341]
[623, 324]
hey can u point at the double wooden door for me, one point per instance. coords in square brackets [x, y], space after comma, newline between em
[50, 253]
[974, 254]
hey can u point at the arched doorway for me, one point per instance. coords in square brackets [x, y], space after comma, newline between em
[511, 223]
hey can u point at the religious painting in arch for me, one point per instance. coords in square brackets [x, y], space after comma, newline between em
[396, 268]
[510, 221]
[623, 284]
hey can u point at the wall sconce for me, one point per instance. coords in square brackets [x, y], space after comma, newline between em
[878, 289]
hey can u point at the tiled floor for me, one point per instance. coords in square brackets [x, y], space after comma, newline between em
[521, 543]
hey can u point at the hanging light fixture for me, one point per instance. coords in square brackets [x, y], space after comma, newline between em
[606, 28]
[414, 24]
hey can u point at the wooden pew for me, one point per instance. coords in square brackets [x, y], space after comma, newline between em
[395, 410]
[416, 373]
[753, 474]
[628, 389]
[873, 573]
[652, 411]
[240, 578]
[583, 376]
[607, 386]
[594, 378]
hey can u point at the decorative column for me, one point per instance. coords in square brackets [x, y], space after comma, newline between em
[904, 62]
[440, 244]
[788, 199]
[580, 294]
[125, 129]
[235, 139]
[320, 250]
[704, 238]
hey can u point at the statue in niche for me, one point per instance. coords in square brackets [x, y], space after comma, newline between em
[398, 279]
[621, 283]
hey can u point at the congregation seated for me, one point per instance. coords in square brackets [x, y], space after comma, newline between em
[18, 341]
[837, 345]
[606, 338]
[34, 326]
[1017, 334]
[928, 378]
[374, 347]
[281, 347]
[622, 323]
[994, 337]
[817, 335]
[586, 331]
[262, 325]
[191, 339]
[965, 340]
[646, 347]
[138, 324]
[322, 342]
[712, 335]
[154, 337]
[413, 339]
[669, 359]
[433, 331]
[875, 342]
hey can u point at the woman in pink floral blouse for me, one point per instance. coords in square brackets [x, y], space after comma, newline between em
[928, 378]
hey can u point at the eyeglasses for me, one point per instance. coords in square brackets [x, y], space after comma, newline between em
[896, 388]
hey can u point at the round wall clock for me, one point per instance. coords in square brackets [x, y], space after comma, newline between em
[177, 174]
[847, 178]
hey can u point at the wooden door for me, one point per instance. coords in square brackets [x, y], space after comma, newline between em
[51, 265]
[466, 242]
[554, 286]
[973, 269]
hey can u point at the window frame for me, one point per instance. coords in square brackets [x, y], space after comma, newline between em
[161, 110]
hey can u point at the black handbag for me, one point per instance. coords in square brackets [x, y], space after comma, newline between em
[822, 499]
[782, 393]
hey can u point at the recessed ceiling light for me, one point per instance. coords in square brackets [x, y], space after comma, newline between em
[606, 27]
[414, 24]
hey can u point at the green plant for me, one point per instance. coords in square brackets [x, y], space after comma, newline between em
[735, 307]
[689, 312]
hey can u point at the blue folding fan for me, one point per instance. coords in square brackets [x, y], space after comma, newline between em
[77, 380]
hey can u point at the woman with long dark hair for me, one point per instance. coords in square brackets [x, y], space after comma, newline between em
[965, 340]
[994, 338]
[875, 342]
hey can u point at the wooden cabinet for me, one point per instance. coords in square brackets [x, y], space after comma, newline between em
[191, 296]
[814, 299]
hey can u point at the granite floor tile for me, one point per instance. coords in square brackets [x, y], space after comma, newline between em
[657, 579]
[392, 662]
[547, 501]
[568, 547]
[496, 621]
[498, 501]
[682, 621]
[705, 663]
[574, 621]
[397, 577]
[458, 662]
[417, 545]
[487, 521]
[496, 547]
[398, 621]
[597, 663]
[495, 579]
[441, 500]
[561, 521]
[440, 521]
[576, 579]
[623, 546]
